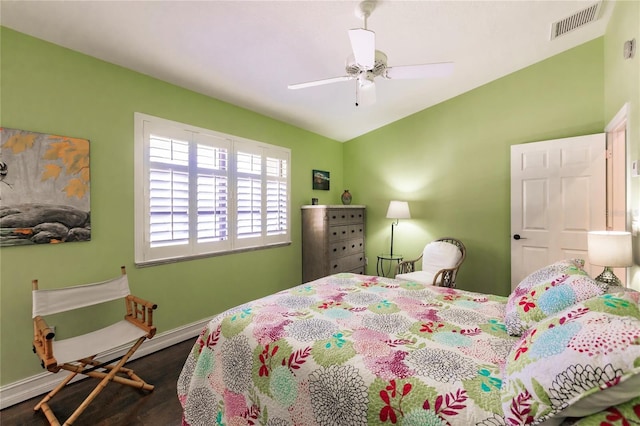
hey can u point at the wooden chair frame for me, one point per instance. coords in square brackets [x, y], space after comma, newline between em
[139, 312]
[447, 276]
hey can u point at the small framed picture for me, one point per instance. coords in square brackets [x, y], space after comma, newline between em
[320, 180]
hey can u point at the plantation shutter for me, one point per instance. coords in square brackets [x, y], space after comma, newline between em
[165, 214]
[262, 198]
[249, 179]
[211, 193]
[277, 199]
[168, 191]
[207, 193]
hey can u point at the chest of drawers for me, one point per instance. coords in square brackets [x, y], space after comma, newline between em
[332, 240]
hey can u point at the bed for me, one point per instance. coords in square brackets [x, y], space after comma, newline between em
[355, 350]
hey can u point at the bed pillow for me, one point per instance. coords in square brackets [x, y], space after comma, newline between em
[576, 362]
[547, 291]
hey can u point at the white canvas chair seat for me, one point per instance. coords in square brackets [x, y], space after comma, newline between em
[97, 342]
[78, 354]
[441, 260]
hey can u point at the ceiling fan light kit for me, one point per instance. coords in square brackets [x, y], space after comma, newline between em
[366, 63]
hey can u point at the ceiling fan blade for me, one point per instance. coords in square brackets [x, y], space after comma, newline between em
[365, 94]
[441, 69]
[363, 44]
[319, 82]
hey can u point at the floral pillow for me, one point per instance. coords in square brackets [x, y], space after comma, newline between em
[576, 362]
[623, 414]
[547, 291]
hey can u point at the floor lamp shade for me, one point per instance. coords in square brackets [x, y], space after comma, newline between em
[611, 249]
[397, 210]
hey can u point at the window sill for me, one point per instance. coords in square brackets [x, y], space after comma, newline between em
[155, 262]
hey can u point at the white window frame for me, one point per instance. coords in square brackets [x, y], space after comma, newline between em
[145, 254]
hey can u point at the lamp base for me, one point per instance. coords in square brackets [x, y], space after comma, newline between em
[608, 277]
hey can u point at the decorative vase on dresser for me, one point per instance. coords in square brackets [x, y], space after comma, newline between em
[332, 240]
[346, 197]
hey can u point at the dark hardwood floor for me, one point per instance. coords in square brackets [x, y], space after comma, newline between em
[116, 404]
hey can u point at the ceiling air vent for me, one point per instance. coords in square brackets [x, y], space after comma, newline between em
[577, 20]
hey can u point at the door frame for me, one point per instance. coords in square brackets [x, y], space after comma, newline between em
[619, 174]
[619, 123]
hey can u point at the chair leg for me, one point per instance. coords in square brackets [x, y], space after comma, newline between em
[103, 383]
[53, 420]
[44, 406]
[143, 385]
[53, 393]
[133, 381]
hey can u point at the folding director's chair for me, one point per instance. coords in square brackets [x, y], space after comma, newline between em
[78, 354]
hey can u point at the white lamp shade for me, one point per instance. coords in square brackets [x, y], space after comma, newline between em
[398, 210]
[610, 248]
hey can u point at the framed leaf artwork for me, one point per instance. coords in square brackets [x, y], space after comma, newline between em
[44, 188]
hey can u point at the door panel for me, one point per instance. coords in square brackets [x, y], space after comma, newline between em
[535, 199]
[557, 196]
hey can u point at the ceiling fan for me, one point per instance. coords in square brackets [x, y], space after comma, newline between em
[366, 63]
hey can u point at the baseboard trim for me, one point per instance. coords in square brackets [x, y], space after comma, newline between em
[25, 389]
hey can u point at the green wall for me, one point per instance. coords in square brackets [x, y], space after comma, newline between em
[622, 85]
[451, 161]
[49, 89]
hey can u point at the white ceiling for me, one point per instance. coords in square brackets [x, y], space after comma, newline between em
[247, 52]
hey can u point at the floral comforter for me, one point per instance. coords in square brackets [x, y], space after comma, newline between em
[350, 350]
[355, 350]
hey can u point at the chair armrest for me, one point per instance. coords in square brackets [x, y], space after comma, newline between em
[406, 266]
[444, 278]
[447, 276]
[140, 313]
[43, 343]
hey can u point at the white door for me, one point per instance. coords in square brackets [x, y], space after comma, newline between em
[557, 195]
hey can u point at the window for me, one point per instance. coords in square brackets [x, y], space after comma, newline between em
[206, 193]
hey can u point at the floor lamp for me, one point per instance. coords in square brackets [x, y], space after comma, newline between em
[397, 210]
[611, 249]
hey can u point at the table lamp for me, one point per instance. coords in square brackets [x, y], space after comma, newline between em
[397, 210]
[611, 249]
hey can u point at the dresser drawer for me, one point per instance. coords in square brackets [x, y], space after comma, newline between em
[359, 270]
[354, 246]
[338, 217]
[347, 263]
[338, 233]
[353, 261]
[346, 248]
[339, 249]
[356, 231]
[355, 216]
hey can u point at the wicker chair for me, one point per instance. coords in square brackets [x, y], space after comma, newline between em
[439, 267]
